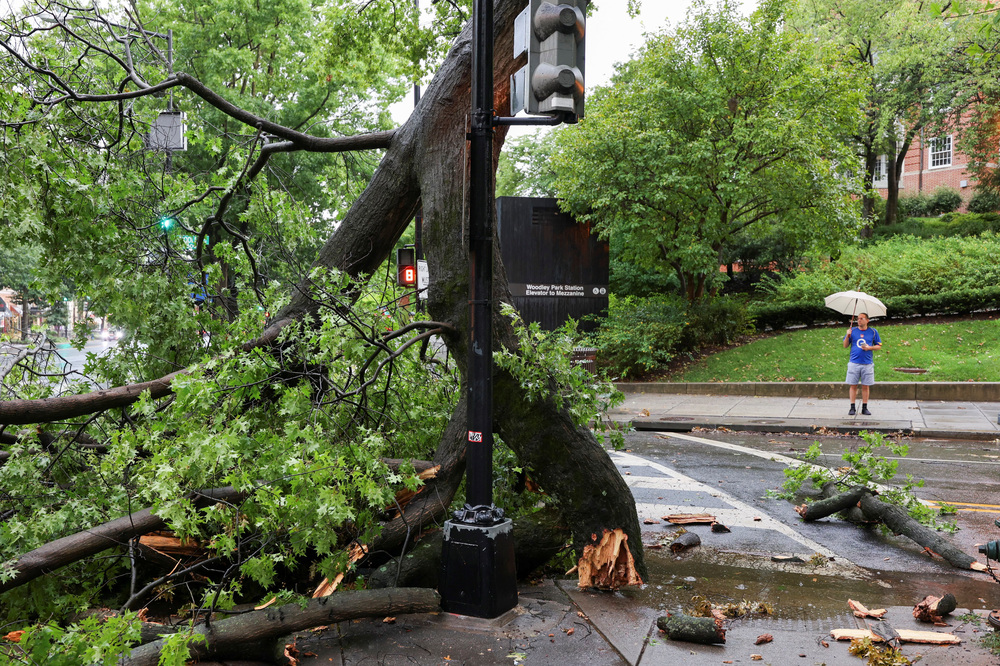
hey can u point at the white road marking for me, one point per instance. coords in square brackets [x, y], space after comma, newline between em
[740, 515]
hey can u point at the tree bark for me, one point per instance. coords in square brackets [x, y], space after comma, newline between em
[427, 160]
[828, 507]
[238, 635]
[704, 630]
[897, 520]
[75, 547]
[852, 514]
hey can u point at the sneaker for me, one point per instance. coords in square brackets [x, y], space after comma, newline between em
[864, 410]
[852, 412]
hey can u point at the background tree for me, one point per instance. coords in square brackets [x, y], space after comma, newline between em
[725, 126]
[910, 63]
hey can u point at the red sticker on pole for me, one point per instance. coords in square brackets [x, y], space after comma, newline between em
[475, 436]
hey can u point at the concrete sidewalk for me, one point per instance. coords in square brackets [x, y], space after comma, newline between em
[557, 624]
[655, 410]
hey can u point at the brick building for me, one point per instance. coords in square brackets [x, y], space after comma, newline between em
[930, 163]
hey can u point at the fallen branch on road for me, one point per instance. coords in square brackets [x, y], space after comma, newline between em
[251, 634]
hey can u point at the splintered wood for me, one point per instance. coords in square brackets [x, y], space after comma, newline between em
[905, 636]
[690, 519]
[859, 610]
[608, 565]
[327, 587]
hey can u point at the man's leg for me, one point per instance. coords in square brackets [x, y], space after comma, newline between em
[865, 389]
[854, 396]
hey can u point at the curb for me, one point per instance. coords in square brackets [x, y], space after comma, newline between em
[943, 391]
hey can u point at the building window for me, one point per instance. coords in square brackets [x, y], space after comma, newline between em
[880, 177]
[940, 151]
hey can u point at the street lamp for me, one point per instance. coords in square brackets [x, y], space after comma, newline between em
[167, 133]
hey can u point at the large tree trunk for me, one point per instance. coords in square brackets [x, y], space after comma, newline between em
[427, 162]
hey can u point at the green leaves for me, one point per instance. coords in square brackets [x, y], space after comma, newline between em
[727, 125]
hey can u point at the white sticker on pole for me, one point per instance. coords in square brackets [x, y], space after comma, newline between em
[475, 436]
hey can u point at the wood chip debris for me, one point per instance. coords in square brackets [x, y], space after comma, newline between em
[763, 638]
[859, 610]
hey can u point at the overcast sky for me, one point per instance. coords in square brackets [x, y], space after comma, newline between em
[612, 37]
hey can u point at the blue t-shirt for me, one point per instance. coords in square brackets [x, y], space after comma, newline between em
[870, 337]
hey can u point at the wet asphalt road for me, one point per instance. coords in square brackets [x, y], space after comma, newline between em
[965, 474]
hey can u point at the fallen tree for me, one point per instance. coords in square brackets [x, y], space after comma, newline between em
[853, 493]
[255, 633]
[251, 388]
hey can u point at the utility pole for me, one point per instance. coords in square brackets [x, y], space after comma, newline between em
[478, 577]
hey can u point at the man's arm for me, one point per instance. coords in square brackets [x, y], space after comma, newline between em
[847, 338]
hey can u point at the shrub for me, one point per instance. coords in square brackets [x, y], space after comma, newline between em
[716, 321]
[639, 334]
[643, 334]
[984, 201]
[917, 205]
[805, 313]
[944, 200]
[898, 266]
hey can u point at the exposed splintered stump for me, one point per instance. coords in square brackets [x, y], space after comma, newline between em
[704, 630]
[608, 564]
[931, 608]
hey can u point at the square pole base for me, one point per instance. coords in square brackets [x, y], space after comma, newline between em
[478, 577]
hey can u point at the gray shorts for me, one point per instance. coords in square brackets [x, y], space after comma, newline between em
[860, 374]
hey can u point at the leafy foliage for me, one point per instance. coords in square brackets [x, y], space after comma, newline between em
[944, 200]
[302, 434]
[898, 266]
[726, 125]
[542, 355]
[984, 201]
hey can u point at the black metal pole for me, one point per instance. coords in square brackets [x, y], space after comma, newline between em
[478, 577]
[479, 456]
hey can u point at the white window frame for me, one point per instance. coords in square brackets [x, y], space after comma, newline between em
[933, 153]
[881, 176]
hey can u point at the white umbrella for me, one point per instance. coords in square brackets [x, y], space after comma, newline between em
[853, 302]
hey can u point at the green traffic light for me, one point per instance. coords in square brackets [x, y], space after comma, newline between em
[166, 223]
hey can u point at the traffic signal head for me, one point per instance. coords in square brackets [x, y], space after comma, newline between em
[406, 267]
[166, 222]
[556, 38]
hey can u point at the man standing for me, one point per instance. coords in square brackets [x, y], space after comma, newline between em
[861, 367]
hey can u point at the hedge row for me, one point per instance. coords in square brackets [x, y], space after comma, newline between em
[806, 313]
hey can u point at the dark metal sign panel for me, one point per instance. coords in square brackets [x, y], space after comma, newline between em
[555, 267]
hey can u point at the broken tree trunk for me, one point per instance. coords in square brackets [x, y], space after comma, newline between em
[236, 636]
[897, 520]
[426, 162]
[704, 630]
[831, 505]
[931, 608]
[852, 514]
[607, 564]
[83, 544]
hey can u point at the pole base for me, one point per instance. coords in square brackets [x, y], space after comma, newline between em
[477, 569]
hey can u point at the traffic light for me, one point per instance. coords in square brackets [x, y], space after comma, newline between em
[406, 267]
[166, 222]
[554, 77]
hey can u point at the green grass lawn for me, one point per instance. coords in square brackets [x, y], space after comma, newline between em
[956, 351]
